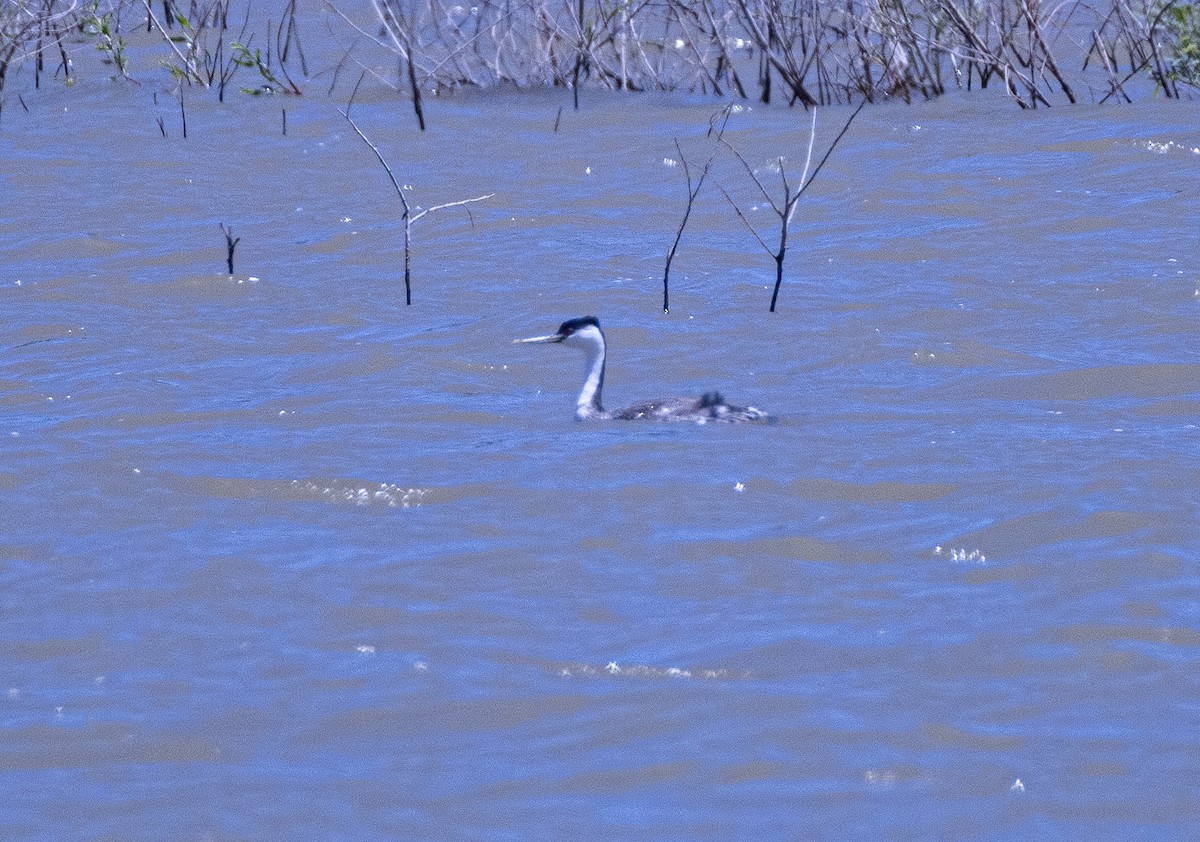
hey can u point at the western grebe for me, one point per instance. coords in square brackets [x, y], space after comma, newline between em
[585, 334]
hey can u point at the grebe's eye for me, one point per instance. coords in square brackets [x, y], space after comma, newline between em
[568, 331]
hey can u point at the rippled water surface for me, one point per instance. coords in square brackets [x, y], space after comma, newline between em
[283, 558]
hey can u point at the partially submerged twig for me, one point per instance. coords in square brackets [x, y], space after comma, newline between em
[396, 24]
[182, 112]
[787, 209]
[408, 216]
[693, 190]
[230, 245]
[416, 92]
[716, 127]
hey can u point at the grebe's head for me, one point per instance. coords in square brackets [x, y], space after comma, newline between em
[581, 333]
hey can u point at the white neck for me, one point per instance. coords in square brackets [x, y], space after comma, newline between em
[591, 341]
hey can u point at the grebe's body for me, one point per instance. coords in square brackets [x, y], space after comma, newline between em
[585, 334]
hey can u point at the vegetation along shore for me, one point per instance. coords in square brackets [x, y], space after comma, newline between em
[801, 52]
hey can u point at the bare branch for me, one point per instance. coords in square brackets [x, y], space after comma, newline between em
[750, 171]
[408, 217]
[420, 214]
[693, 192]
[832, 147]
[378, 155]
[742, 216]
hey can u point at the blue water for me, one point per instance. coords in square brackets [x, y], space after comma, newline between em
[282, 558]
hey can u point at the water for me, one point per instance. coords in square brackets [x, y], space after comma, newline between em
[283, 558]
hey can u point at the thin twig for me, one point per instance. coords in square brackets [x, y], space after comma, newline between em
[693, 192]
[753, 175]
[459, 203]
[230, 245]
[379, 155]
[832, 147]
[187, 65]
[182, 112]
[791, 200]
[408, 216]
[742, 217]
